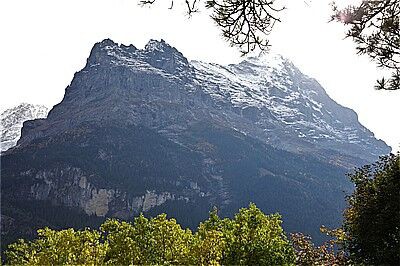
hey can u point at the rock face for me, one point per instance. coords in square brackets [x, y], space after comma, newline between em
[81, 193]
[266, 97]
[289, 110]
[12, 120]
[149, 131]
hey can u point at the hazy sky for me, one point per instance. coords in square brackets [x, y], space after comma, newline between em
[44, 42]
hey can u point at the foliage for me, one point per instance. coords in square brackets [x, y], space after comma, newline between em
[244, 24]
[372, 220]
[146, 242]
[329, 253]
[250, 238]
[59, 248]
[375, 28]
[370, 233]
[25, 217]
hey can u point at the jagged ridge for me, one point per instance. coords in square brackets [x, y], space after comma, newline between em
[266, 97]
[147, 130]
[12, 120]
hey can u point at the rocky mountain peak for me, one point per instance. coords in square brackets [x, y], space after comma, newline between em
[12, 120]
[102, 52]
[143, 130]
[106, 42]
[161, 55]
[156, 54]
[268, 58]
[264, 96]
[155, 45]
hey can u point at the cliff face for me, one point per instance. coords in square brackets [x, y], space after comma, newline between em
[94, 201]
[148, 131]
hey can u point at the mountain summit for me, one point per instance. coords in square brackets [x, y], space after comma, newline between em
[266, 97]
[145, 130]
[289, 109]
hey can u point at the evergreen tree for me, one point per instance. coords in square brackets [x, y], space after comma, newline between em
[372, 220]
[375, 28]
[244, 24]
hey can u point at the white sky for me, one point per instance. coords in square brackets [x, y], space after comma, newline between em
[44, 42]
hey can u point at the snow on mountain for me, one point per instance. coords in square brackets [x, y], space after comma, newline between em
[284, 99]
[266, 97]
[140, 128]
[12, 120]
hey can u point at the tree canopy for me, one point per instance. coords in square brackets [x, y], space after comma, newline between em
[330, 252]
[372, 220]
[250, 238]
[370, 232]
[375, 28]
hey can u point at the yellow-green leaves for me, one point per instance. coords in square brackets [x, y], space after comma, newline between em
[250, 238]
[147, 241]
[256, 238]
[65, 247]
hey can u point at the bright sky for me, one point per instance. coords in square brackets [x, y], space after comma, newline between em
[44, 42]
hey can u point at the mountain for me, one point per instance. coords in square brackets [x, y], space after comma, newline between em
[266, 97]
[11, 121]
[145, 130]
[290, 110]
